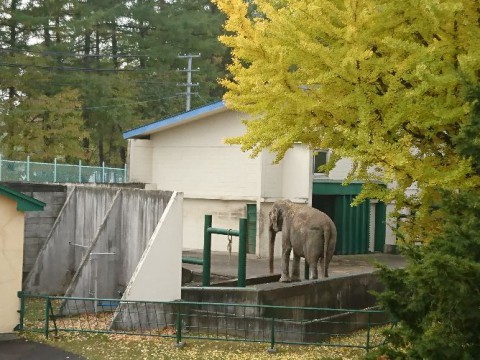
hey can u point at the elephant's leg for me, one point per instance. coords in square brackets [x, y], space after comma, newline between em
[327, 262]
[285, 264]
[296, 267]
[313, 265]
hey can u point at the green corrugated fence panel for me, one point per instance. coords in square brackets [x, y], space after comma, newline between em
[352, 225]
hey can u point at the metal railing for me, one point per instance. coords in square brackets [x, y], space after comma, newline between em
[182, 320]
[30, 171]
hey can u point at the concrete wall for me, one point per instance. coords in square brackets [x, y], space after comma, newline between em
[74, 229]
[158, 274]
[38, 224]
[11, 258]
[96, 220]
[121, 239]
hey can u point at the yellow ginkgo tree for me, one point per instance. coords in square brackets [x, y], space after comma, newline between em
[381, 82]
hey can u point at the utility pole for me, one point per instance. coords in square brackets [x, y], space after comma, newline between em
[189, 83]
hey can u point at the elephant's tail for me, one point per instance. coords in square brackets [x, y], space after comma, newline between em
[326, 240]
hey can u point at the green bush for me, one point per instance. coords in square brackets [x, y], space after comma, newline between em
[436, 297]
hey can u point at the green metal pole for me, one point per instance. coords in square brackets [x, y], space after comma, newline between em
[28, 168]
[207, 251]
[272, 335]
[367, 347]
[179, 328]
[20, 294]
[47, 316]
[242, 253]
[307, 271]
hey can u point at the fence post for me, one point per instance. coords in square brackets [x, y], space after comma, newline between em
[242, 253]
[79, 171]
[124, 173]
[367, 347]
[20, 294]
[103, 171]
[47, 316]
[272, 334]
[179, 343]
[207, 251]
[55, 170]
[28, 168]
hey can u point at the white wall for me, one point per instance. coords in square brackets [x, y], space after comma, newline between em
[297, 174]
[225, 214]
[341, 169]
[11, 262]
[271, 176]
[139, 160]
[193, 159]
[158, 275]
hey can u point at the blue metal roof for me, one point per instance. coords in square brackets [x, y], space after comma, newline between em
[160, 125]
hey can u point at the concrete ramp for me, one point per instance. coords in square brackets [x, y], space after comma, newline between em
[97, 242]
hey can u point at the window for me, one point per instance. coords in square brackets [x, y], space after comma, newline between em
[320, 158]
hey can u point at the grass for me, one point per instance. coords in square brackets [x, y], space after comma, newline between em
[123, 347]
[96, 346]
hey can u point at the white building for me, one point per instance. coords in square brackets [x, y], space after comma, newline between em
[187, 153]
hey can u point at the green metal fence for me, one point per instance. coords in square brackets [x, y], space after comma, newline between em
[30, 171]
[182, 320]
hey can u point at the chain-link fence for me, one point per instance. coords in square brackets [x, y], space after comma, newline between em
[182, 320]
[38, 172]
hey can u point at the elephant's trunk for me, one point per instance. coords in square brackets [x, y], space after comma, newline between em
[271, 248]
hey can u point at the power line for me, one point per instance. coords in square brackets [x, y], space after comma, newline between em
[71, 54]
[97, 107]
[71, 68]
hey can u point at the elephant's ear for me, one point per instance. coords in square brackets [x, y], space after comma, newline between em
[276, 218]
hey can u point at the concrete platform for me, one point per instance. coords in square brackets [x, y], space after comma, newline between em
[225, 266]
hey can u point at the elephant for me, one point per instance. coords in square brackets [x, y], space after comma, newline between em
[307, 231]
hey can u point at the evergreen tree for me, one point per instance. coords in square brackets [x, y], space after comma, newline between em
[119, 57]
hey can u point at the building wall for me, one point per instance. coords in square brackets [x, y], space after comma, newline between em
[297, 174]
[11, 259]
[139, 160]
[225, 214]
[341, 169]
[194, 160]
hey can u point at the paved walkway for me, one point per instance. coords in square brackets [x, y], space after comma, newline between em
[13, 348]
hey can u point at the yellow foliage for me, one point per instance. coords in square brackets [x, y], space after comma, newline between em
[378, 81]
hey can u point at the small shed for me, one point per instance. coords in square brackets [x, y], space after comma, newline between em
[13, 206]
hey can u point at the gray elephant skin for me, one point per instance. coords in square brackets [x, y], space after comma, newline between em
[307, 231]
